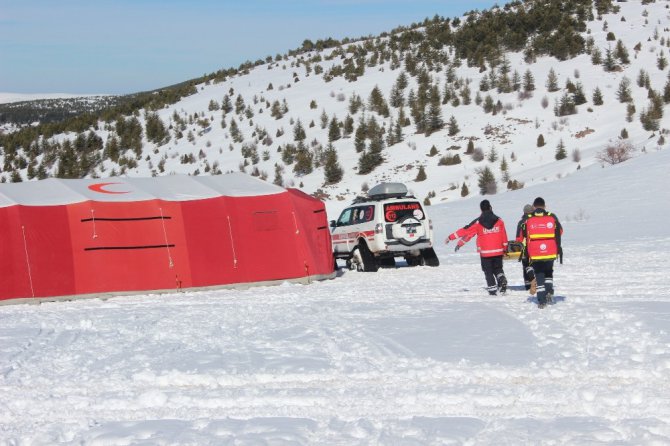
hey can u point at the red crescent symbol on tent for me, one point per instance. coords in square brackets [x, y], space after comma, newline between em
[98, 187]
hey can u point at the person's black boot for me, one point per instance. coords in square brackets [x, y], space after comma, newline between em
[502, 284]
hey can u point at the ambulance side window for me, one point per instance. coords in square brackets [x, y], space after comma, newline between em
[345, 218]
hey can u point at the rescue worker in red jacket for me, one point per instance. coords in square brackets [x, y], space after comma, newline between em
[542, 235]
[491, 245]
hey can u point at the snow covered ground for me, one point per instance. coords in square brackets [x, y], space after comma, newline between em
[405, 356]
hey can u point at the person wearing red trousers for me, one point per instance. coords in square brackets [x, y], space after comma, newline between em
[542, 235]
[491, 245]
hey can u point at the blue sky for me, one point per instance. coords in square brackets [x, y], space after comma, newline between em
[125, 46]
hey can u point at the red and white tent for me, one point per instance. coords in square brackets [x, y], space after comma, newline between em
[66, 238]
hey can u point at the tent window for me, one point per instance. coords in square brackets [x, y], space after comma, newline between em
[266, 221]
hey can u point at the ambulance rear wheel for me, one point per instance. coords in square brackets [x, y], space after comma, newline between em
[363, 259]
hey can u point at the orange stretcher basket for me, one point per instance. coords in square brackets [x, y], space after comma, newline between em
[514, 250]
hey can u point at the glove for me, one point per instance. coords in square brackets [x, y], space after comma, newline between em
[446, 242]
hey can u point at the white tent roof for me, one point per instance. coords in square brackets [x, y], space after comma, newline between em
[54, 191]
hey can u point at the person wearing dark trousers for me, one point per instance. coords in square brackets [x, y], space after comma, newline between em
[542, 235]
[529, 283]
[491, 245]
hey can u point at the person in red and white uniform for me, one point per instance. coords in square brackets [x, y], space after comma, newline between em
[491, 245]
[542, 235]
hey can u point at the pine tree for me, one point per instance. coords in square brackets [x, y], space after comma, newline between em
[377, 102]
[528, 81]
[304, 160]
[487, 182]
[332, 170]
[516, 81]
[666, 90]
[609, 64]
[334, 130]
[540, 140]
[621, 53]
[226, 105]
[348, 128]
[579, 97]
[324, 119]
[661, 62]
[299, 134]
[434, 116]
[464, 190]
[596, 57]
[453, 126]
[235, 132]
[623, 93]
[239, 104]
[504, 169]
[561, 153]
[421, 175]
[597, 97]
[492, 155]
[279, 180]
[359, 137]
[471, 147]
[552, 81]
[397, 131]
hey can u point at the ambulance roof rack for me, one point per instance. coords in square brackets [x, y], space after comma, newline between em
[383, 191]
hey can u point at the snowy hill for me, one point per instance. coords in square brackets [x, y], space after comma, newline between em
[303, 88]
[404, 356]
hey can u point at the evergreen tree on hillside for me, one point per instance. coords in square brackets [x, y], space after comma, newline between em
[332, 170]
[516, 81]
[235, 132]
[597, 97]
[377, 102]
[334, 130]
[323, 119]
[552, 81]
[421, 175]
[621, 53]
[355, 104]
[666, 90]
[130, 134]
[464, 190]
[213, 105]
[561, 153]
[359, 137]
[278, 180]
[566, 106]
[348, 127]
[453, 126]
[609, 64]
[304, 160]
[624, 93]
[434, 116]
[155, 129]
[226, 105]
[239, 104]
[299, 134]
[486, 181]
[579, 97]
